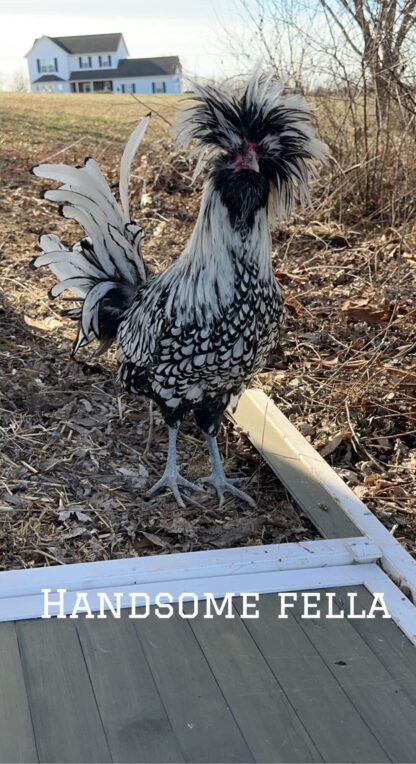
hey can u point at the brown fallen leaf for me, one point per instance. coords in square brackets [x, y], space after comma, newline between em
[47, 324]
[332, 445]
[348, 305]
[371, 316]
[291, 276]
[294, 307]
[330, 360]
[155, 540]
[360, 310]
[356, 363]
[360, 491]
[404, 372]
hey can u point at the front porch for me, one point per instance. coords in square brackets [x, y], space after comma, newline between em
[94, 86]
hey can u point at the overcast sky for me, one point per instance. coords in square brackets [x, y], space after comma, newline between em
[188, 28]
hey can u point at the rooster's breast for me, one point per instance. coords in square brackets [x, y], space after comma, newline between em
[181, 364]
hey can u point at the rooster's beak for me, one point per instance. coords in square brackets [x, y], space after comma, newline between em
[251, 160]
[247, 160]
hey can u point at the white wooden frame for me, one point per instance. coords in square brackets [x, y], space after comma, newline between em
[278, 441]
[304, 566]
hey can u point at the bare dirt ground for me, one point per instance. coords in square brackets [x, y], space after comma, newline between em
[75, 457]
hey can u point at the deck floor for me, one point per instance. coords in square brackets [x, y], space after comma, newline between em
[220, 690]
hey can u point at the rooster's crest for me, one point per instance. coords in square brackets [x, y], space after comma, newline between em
[261, 119]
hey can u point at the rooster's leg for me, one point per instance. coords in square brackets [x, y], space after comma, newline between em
[171, 477]
[218, 479]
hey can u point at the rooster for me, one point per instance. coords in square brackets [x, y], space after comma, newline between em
[192, 337]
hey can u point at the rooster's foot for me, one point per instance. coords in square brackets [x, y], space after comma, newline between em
[224, 485]
[173, 482]
[219, 480]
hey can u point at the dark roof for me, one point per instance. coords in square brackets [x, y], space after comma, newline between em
[131, 67]
[93, 74]
[49, 78]
[89, 43]
[145, 67]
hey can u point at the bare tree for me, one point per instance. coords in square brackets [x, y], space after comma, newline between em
[378, 33]
[355, 57]
[327, 38]
[19, 82]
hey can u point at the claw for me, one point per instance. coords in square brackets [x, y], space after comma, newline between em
[173, 482]
[171, 478]
[226, 485]
[218, 479]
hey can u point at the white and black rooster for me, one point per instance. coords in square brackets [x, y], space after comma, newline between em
[192, 337]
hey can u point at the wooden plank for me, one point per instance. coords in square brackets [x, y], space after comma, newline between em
[330, 718]
[65, 717]
[132, 712]
[256, 415]
[263, 711]
[32, 606]
[200, 717]
[386, 641]
[86, 576]
[17, 740]
[377, 697]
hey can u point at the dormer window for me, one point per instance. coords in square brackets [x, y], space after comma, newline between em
[47, 65]
[85, 62]
[104, 60]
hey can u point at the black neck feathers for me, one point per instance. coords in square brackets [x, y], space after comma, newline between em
[243, 193]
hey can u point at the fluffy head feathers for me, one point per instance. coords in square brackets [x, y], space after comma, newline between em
[259, 128]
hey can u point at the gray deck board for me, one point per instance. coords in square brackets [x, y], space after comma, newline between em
[387, 642]
[202, 690]
[67, 724]
[201, 718]
[17, 740]
[271, 726]
[376, 695]
[317, 503]
[131, 709]
[327, 713]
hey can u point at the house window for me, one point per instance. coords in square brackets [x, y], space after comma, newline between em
[123, 88]
[104, 60]
[85, 62]
[47, 65]
[159, 87]
[133, 87]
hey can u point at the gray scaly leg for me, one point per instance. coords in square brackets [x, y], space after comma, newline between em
[171, 477]
[218, 479]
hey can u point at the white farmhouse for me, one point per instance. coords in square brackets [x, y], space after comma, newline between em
[98, 63]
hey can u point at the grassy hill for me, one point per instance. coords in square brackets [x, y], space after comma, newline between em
[46, 121]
